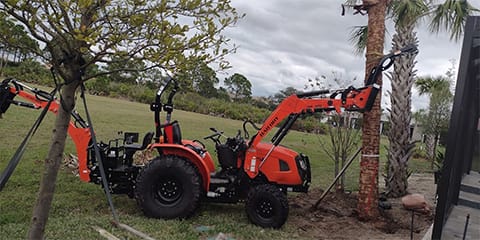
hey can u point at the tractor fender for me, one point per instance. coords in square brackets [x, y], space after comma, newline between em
[204, 162]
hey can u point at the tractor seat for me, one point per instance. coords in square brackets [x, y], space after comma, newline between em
[135, 147]
[197, 149]
[132, 148]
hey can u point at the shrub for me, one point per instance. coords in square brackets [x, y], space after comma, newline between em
[98, 86]
[29, 71]
[420, 151]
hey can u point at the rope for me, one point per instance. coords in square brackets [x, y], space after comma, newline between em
[116, 222]
[97, 155]
[376, 57]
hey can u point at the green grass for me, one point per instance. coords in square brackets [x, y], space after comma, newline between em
[78, 206]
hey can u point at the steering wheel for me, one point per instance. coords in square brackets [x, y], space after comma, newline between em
[214, 137]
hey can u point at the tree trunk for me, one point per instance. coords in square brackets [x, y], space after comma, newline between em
[435, 144]
[399, 153]
[52, 163]
[14, 56]
[3, 61]
[338, 185]
[368, 181]
[342, 178]
[430, 147]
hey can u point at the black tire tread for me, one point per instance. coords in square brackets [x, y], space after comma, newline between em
[278, 195]
[152, 168]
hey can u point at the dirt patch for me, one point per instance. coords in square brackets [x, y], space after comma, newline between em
[336, 216]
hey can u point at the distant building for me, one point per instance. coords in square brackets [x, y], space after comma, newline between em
[416, 131]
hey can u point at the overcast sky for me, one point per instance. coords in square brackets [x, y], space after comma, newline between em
[283, 43]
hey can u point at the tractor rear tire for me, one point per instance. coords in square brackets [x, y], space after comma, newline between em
[267, 206]
[168, 187]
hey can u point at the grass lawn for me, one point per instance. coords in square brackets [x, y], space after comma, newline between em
[79, 206]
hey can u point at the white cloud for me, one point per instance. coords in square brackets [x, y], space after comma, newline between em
[282, 43]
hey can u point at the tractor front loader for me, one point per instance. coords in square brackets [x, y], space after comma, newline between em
[174, 183]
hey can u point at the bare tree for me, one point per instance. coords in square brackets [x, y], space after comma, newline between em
[344, 139]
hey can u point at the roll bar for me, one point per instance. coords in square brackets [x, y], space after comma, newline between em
[157, 106]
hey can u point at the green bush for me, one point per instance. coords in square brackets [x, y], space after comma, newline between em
[147, 96]
[420, 151]
[98, 86]
[194, 102]
[311, 124]
[29, 71]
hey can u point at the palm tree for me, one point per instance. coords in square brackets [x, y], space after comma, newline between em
[368, 181]
[432, 85]
[435, 120]
[451, 16]
[406, 15]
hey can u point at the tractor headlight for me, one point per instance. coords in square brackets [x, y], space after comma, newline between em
[303, 167]
[303, 164]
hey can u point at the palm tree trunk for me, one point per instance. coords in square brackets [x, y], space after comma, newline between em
[2, 61]
[435, 144]
[399, 151]
[430, 147]
[52, 164]
[368, 181]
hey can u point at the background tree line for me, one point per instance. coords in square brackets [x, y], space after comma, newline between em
[200, 89]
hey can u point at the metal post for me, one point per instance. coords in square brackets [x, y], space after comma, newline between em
[466, 226]
[336, 178]
[411, 224]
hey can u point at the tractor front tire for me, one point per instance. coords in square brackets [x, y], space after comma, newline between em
[168, 187]
[267, 206]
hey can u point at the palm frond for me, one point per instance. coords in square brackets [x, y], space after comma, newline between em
[408, 12]
[429, 84]
[358, 37]
[351, 2]
[451, 17]
[424, 84]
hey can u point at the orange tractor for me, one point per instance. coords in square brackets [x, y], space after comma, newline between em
[172, 184]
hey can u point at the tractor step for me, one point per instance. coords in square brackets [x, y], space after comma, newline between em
[221, 190]
[219, 181]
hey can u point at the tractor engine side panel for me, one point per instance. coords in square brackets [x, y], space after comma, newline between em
[285, 167]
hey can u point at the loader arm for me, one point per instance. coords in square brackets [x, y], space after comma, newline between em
[295, 105]
[292, 107]
[37, 99]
